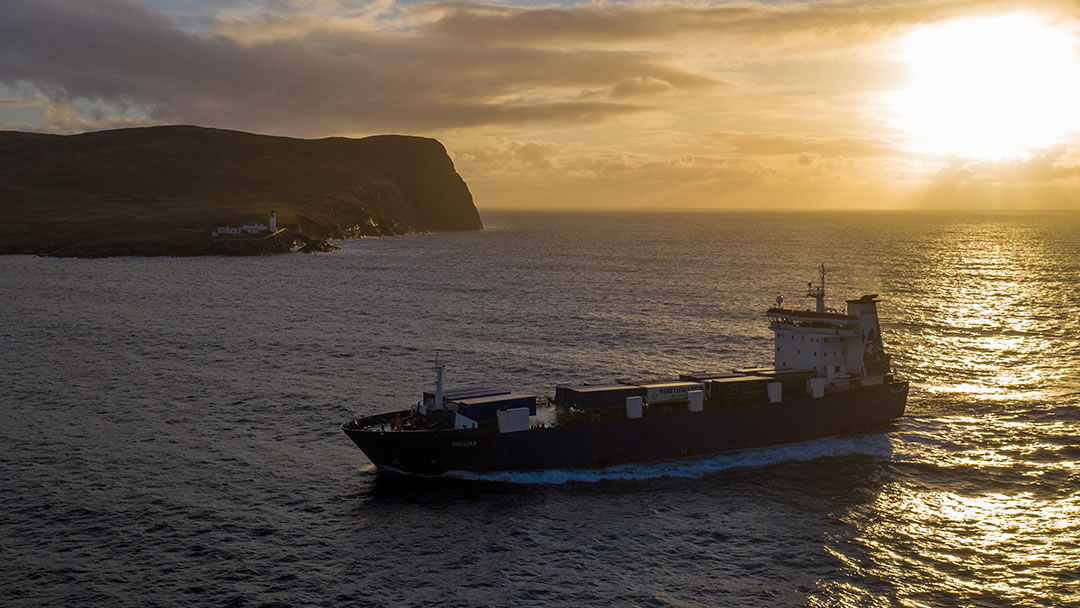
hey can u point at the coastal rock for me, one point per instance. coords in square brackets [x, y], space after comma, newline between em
[319, 246]
[163, 190]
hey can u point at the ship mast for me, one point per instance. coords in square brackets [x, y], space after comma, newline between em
[818, 293]
[439, 367]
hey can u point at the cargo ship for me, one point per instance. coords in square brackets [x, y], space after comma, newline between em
[831, 375]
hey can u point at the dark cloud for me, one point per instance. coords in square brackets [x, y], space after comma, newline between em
[322, 81]
[283, 66]
[326, 68]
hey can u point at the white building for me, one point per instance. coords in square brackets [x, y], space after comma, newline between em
[247, 228]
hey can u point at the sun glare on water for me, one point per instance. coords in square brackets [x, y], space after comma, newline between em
[989, 87]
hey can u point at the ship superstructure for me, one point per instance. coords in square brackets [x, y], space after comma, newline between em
[834, 345]
[830, 375]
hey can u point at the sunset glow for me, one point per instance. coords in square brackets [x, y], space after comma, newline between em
[989, 87]
[642, 105]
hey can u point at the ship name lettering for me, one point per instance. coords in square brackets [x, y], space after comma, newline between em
[464, 444]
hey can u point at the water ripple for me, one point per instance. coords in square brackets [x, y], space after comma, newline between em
[171, 436]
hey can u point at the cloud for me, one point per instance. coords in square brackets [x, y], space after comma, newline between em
[813, 25]
[641, 86]
[772, 144]
[581, 179]
[18, 102]
[319, 81]
[630, 174]
[681, 100]
[1058, 163]
[1046, 180]
[333, 67]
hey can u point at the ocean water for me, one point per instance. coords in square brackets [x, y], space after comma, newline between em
[170, 437]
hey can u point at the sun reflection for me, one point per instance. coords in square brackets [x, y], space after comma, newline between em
[995, 334]
[1011, 547]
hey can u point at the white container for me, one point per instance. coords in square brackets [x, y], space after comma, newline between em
[775, 392]
[513, 420]
[697, 400]
[667, 392]
[633, 407]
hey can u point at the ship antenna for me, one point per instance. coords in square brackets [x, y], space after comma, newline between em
[818, 293]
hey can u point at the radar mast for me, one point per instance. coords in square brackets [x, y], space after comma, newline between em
[818, 293]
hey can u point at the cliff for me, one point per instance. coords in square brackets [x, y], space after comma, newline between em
[162, 190]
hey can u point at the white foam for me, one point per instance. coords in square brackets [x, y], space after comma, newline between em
[875, 445]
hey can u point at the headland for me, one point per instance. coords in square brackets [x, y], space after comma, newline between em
[166, 190]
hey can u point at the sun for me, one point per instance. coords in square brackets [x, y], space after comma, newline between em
[988, 87]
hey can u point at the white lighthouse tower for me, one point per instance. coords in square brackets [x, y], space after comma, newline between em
[273, 222]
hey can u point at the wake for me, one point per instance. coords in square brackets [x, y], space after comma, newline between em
[874, 445]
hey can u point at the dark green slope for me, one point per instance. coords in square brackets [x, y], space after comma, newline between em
[163, 189]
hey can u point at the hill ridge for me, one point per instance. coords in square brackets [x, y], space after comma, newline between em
[164, 188]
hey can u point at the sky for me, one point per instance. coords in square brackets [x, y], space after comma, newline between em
[840, 104]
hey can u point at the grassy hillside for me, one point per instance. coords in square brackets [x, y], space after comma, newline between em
[165, 188]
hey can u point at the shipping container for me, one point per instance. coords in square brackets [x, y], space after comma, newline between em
[599, 397]
[667, 392]
[735, 382]
[788, 374]
[703, 376]
[753, 371]
[485, 408]
[463, 393]
[738, 388]
[644, 381]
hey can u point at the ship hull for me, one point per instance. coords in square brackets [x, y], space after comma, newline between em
[619, 440]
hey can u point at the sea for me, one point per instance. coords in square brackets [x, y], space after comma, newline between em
[170, 427]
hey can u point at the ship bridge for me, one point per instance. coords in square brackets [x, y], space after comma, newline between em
[834, 344]
[830, 323]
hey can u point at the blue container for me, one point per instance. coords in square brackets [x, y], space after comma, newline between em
[463, 393]
[599, 397]
[485, 408]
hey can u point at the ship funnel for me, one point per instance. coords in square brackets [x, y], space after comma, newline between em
[875, 361]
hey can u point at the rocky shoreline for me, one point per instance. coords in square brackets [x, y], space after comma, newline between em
[284, 242]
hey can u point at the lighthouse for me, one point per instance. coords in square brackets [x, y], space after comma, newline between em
[273, 222]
